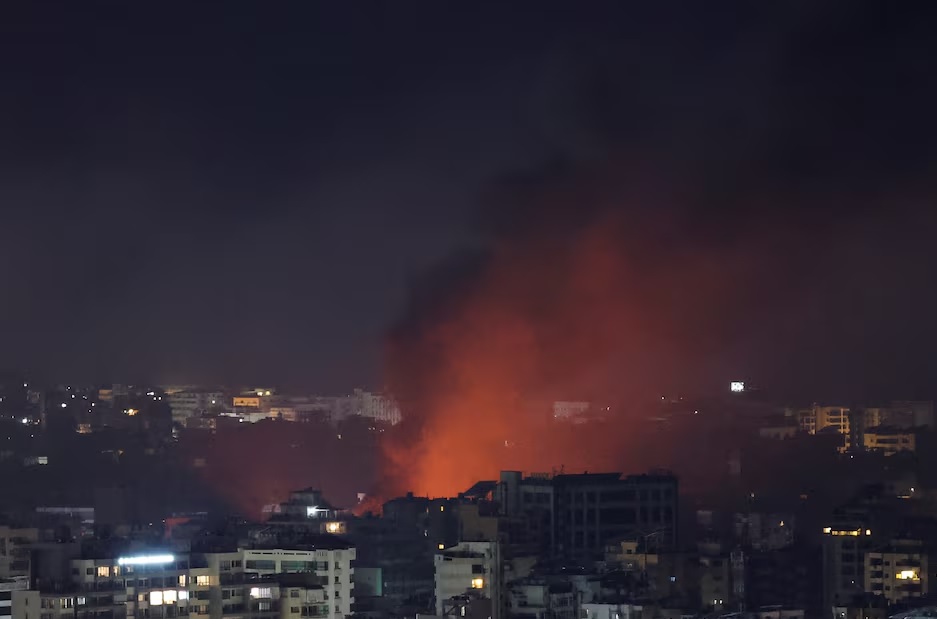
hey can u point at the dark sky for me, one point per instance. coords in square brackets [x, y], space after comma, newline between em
[248, 192]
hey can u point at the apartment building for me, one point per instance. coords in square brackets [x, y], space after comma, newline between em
[14, 550]
[898, 572]
[468, 568]
[244, 583]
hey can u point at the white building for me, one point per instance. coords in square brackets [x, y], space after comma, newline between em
[366, 404]
[186, 404]
[468, 567]
[257, 583]
[575, 412]
[609, 611]
[333, 565]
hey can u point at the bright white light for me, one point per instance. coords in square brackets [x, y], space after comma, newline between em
[736, 386]
[267, 393]
[314, 511]
[64, 404]
[156, 598]
[146, 560]
[24, 420]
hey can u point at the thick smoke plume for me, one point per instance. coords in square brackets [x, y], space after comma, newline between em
[744, 198]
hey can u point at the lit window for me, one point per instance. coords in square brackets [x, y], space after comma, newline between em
[203, 581]
[169, 596]
[104, 571]
[156, 598]
[441, 546]
[907, 575]
[183, 594]
[182, 580]
[260, 592]
[81, 601]
[478, 583]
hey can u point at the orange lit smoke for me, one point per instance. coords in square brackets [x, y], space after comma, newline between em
[591, 317]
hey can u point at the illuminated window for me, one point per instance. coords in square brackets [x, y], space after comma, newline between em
[260, 592]
[441, 546]
[203, 581]
[182, 580]
[104, 571]
[81, 601]
[183, 595]
[478, 583]
[156, 598]
[169, 596]
[907, 575]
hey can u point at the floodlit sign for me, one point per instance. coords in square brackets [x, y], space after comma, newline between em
[146, 560]
[736, 386]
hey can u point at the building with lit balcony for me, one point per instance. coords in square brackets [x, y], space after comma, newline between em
[898, 572]
[468, 568]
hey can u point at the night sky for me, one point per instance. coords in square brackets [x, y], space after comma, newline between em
[259, 193]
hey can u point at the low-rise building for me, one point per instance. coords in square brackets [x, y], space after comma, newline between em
[889, 440]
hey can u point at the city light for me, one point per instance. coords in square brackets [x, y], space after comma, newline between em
[906, 575]
[478, 583]
[64, 404]
[736, 386]
[441, 546]
[146, 560]
[333, 527]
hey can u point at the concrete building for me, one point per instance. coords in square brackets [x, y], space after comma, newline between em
[187, 404]
[365, 404]
[889, 440]
[899, 572]
[830, 418]
[764, 531]
[14, 551]
[259, 583]
[15, 598]
[538, 598]
[468, 568]
[574, 412]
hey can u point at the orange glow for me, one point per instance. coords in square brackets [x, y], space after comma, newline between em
[549, 319]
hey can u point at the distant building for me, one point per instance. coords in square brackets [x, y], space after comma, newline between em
[574, 412]
[368, 405]
[826, 418]
[14, 551]
[764, 531]
[187, 404]
[889, 440]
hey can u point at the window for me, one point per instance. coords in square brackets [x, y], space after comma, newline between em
[66, 603]
[260, 592]
[80, 601]
[203, 581]
[263, 565]
[478, 568]
[89, 571]
[156, 598]
[294, 593]
[182, 580]
[104, 571]
[294, 609]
